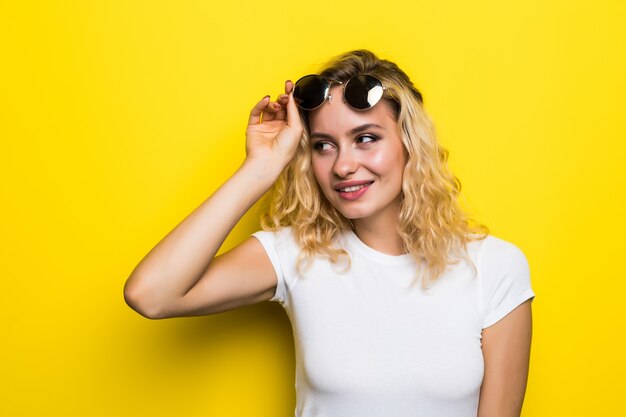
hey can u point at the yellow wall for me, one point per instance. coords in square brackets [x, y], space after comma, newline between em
[118, 118]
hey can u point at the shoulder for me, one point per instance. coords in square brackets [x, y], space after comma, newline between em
[278, 236]
[501, 255]
[280, 241]
[503, 278]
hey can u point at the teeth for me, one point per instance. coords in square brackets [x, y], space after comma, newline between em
[353, 188]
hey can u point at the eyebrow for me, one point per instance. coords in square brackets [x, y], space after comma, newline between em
[354, 131]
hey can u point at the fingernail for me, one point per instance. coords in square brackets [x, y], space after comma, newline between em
[267, 96]
[288, 81]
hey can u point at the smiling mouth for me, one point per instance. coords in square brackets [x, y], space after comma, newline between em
[353, 192]
[353, 188]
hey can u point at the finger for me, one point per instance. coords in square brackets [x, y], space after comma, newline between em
[257, 110]
[293, 115]
[288, 86]
[282, 99]
[269, 113]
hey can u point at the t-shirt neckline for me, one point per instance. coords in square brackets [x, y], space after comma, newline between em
[375, 255]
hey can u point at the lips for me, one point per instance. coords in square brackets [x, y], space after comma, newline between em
[352, 190]
[350, 186]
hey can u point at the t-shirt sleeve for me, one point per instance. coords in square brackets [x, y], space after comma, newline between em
[504, 279]
[269, 241]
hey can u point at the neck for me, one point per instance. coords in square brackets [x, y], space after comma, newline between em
[381, 235]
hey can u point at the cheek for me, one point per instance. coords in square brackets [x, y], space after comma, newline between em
[379, 159]
[384, 162]
[389, 163]
[319, 170]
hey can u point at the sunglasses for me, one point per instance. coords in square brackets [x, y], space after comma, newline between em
[360, 92]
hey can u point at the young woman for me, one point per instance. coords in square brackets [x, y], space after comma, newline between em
[361, 208]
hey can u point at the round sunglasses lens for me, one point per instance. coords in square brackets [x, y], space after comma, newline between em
[310, 91]
[363, 92]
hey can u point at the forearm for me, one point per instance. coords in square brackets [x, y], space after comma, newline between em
[177, 262]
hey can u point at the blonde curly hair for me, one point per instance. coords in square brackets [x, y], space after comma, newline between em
[432, 225]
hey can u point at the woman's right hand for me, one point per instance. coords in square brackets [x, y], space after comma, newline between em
[274, 129]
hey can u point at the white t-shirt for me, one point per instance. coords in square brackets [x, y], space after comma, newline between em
[366, 346]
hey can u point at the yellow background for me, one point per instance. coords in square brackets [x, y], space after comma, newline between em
[118, 118]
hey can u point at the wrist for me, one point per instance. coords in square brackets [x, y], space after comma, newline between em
[261, 170]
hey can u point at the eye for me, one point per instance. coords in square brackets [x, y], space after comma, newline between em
[366, 138]
[322, 146]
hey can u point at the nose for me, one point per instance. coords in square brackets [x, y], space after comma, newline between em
[346, 162]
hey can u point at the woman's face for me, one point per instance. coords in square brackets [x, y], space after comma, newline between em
[358, 159]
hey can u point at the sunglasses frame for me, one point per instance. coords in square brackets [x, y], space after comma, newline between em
[329, 84]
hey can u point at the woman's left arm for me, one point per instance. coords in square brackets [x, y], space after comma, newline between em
[506, 352]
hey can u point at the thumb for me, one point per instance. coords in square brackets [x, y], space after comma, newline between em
[293, 114]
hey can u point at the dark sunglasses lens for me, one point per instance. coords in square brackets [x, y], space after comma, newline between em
[363, 92]
[310, 91]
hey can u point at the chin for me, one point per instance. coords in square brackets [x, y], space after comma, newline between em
[352, 210]
[353, 214]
